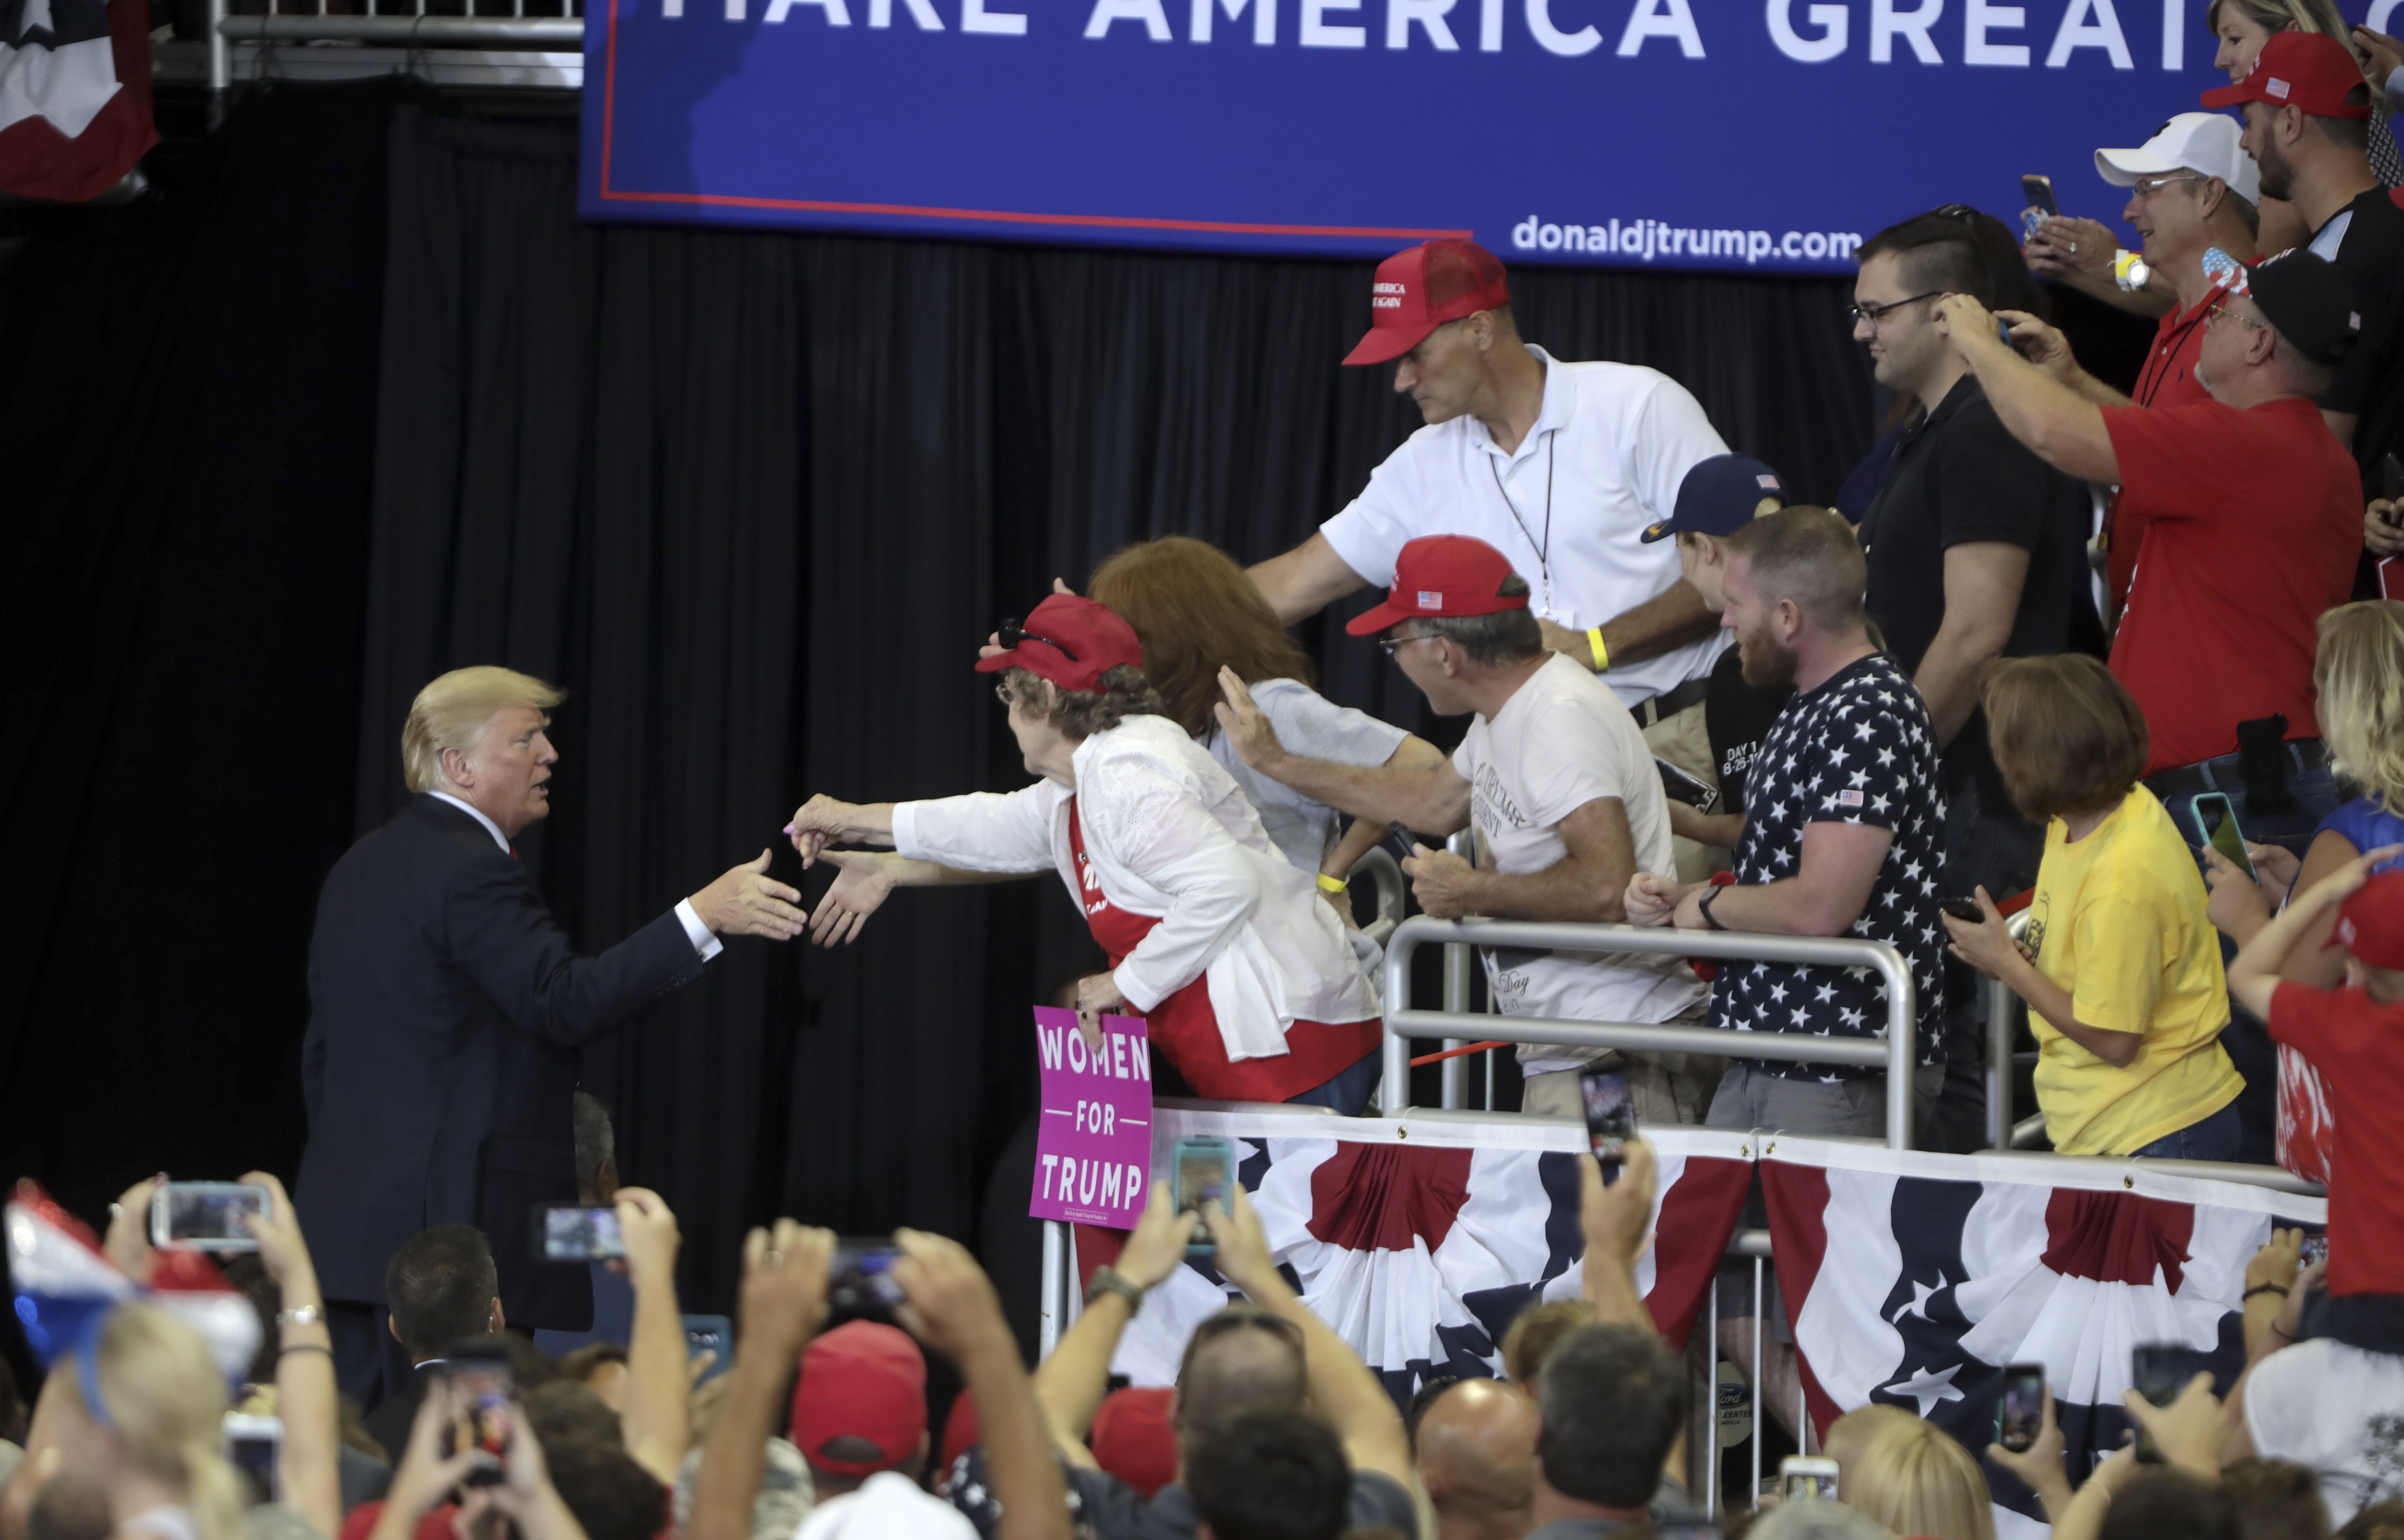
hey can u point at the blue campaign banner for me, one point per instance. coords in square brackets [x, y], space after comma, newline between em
[1761, 135]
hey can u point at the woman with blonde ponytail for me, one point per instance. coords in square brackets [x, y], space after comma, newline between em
[143, 1409]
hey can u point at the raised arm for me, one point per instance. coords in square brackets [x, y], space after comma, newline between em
[307, 1460]
[2254, 973]
[1589, 884]
[824, 821]
[1342, 1389]
[658, 1383]
[1304, 580]
[1618, 1222]
[950, 1306]
[1427, 796]
[784, 1305]
[2060, 429]
[1070, 1385]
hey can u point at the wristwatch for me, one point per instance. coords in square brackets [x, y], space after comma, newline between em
[1703, 906]
[306, 1315]
[1109, 1280]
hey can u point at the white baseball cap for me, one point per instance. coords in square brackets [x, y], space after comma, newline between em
[2204, 142]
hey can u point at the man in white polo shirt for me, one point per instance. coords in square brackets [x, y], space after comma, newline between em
[1560, 466]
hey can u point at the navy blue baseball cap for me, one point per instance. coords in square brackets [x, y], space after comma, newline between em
[1719, 497]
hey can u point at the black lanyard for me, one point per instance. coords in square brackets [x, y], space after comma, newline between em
[1545, 547]
[2152, 377]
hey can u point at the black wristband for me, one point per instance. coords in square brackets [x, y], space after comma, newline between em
[2279, 1289]
[1703, 906]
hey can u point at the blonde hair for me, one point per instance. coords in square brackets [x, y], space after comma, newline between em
[453, 711]
[1917, 1479]
[166, 1398]
[2358, 673]
[2277, 16]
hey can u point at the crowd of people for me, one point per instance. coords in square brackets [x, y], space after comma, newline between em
[2052, 648]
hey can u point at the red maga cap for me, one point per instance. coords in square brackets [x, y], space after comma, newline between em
[1069, 640]
[2370, 924]
[1442, 576]
[1133, 1438]
[1419, 290]
[864, 1380]
[2302, 70]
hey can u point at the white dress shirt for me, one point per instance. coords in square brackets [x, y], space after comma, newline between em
[704, 941]
[1568, 507]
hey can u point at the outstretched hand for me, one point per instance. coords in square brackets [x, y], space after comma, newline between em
[861, 888]
[747, 901]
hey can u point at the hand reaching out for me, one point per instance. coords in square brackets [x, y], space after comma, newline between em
[861, 888]
[747, 901]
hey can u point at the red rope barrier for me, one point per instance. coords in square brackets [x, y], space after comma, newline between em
[1455, 1053]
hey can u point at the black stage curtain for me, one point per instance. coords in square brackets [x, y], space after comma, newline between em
[753, 499]
[186, 410]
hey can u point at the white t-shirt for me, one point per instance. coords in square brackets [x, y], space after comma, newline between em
[1310, 725]
[2339, 1412]
[1604, 460]
[888, 1505]
[1561, 741]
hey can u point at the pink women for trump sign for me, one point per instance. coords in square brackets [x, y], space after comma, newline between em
[1093, 1143]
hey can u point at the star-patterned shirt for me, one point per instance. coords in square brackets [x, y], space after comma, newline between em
[1857, 750]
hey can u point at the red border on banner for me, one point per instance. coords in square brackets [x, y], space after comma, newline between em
[1108, 221]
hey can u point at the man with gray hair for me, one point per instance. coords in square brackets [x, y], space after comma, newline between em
[446, 1009]
[1556, 781]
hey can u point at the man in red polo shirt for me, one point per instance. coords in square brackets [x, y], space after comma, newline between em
[2255, 511]
[2192, 188]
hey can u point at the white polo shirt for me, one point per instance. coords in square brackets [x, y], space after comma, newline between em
[1604, 460]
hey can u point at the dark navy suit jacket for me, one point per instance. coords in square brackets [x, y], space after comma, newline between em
[446, 1009]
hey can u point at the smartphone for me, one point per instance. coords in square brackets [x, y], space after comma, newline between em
[2391, 477]
[709, 1334]
[206, 1215]
[252, 1445]
[577, 1232]
[2159, 1370]
[2315, 1249]
[2037, 193]
[2218, 823]
[1206, 1173]
[1679, 786]
[861, 1281]
[1964, 910]
[485, 1384]
[2020, 1411]
[1610, 1118]
[1806, 1476]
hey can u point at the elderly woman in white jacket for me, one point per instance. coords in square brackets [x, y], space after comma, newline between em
[1244, 979]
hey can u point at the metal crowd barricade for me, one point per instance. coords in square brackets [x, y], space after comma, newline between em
[515, 51]
[1895, 1052]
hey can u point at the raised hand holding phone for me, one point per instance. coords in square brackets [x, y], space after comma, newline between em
[1205, 1173]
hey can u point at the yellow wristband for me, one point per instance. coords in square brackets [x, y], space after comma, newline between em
[1601, 653]
[1333, 884]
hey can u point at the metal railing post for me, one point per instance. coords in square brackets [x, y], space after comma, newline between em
[2001, 1019]
[1457, 960]
[220, 64]
[1387, 878]
[1896, 1053]
[1050, 1293]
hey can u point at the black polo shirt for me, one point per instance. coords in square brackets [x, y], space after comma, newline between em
[1960, 477]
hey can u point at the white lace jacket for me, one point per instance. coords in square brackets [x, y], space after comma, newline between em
[1169, 835]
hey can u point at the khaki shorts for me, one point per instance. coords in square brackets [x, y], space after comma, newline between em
[1666, 1087]
[1683, 740]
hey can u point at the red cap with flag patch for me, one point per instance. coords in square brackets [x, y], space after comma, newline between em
[2304, 70]
[1443, 577]
[864, 1381]
[2371, 923]
[1419, 290]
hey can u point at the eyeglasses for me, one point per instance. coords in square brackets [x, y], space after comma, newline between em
[1396, 644]
[1876, 313]
[1013, 634]
[2147, 186]
[2220, 311]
